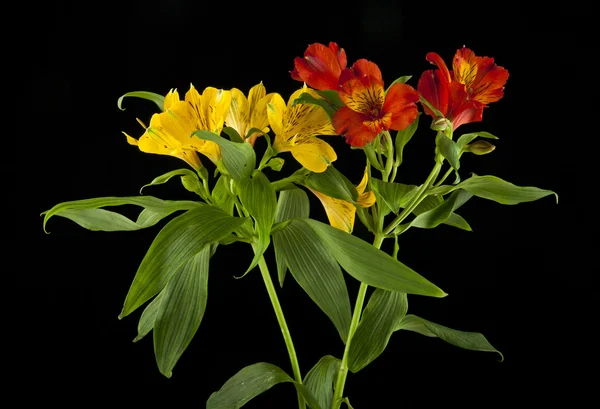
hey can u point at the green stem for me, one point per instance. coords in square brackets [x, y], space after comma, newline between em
[439, 182]
[417, 198]
[358, 306]
[264, 270]
[390, 156]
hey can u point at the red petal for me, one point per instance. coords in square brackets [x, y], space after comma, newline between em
[351, 124]
[320, 67]
[490, 81]
[340, 53]
[435, 59]
[462, 110]
[364, 68]
[434, 88]
[400, 102]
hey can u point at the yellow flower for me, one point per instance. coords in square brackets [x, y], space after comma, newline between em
[170, 132]
[247, 113]
[295, 128]
[341, 213]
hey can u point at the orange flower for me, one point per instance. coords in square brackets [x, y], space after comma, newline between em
[321, 66]
[461, 94]
[369, 109]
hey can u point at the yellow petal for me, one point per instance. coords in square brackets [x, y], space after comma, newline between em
[275, 111]
[340, 213]
[214, 108]
[258, 116]
[170, 98]
[130, 140]
[366, 199]
[255, 94]
[313, 153]
[306, 119]
[238, 116]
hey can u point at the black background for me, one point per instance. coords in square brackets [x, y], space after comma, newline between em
[511, 278]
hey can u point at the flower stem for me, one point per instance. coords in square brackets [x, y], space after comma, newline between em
[264, 270]
[358, 306]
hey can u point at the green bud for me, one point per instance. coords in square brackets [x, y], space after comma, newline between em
[440, 124]
[480, 147]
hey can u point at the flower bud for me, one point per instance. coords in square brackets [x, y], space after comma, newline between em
[480, 147]
[440, 123]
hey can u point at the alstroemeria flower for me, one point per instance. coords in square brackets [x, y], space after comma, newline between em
[321, 66]
[369, 110]
[170, 132]
[247, 113]
[341, 214]
[462, 94]
[296, 128]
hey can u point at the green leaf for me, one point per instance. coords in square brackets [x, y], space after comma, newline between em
[394, 195]
[449, 150]
[457, 221]
[372, 157]
[465, 139]
[379, 321]
[239, 158]
[181, 310]
[332, 97]
[180, 239]
[317, 272]
[292, 203]
[332, 183]
[222, 195]
[148, 317]
[403, 137]
[401, 80]
[496, 189]
[159, 180]
[434, 217]
[467, 340]
[369, 264]
[250, 382]
[306, 98]
[259, 199]
[276, 164]
[321, 378]
[159, 100]
[87, 214]
[234, 136]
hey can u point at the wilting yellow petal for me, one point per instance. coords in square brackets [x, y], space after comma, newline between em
[364, 199]
[170, 98]
[313, 153]
[275, 111]
[340, 213]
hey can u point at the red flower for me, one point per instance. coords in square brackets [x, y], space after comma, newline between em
[321, 66]
[460, 95]
[368, 109]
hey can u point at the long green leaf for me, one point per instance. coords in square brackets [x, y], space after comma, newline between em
[449, 150]
[79, 212]
[259, 198]
[496, 189]
[369, 264]
[159, 180]
[238, 157]
[332, 183]
[159, 100]
[403, 137]
[306, 98]
[148, 317]
[434, 217]
[317, 272]
[400, 80]
[379, 320]
[320, 379]
[250, 382]
[181, 310]
[292, 203]
[223, 196]
[467, 340]
[178, 241]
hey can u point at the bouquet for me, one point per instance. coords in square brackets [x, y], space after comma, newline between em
[243, 200]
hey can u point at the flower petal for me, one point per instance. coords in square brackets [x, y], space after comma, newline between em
[435, 89]
[238, 116]
[320, 68]
[305, 120]
[365, 199]
[313, 153]
[400, 101]
[357, 128]
[435, 59]
[365, 95]
[275, 111]
[464, 67]
[341, 214]
[171, 97]
[490, 81]
[462, 110]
